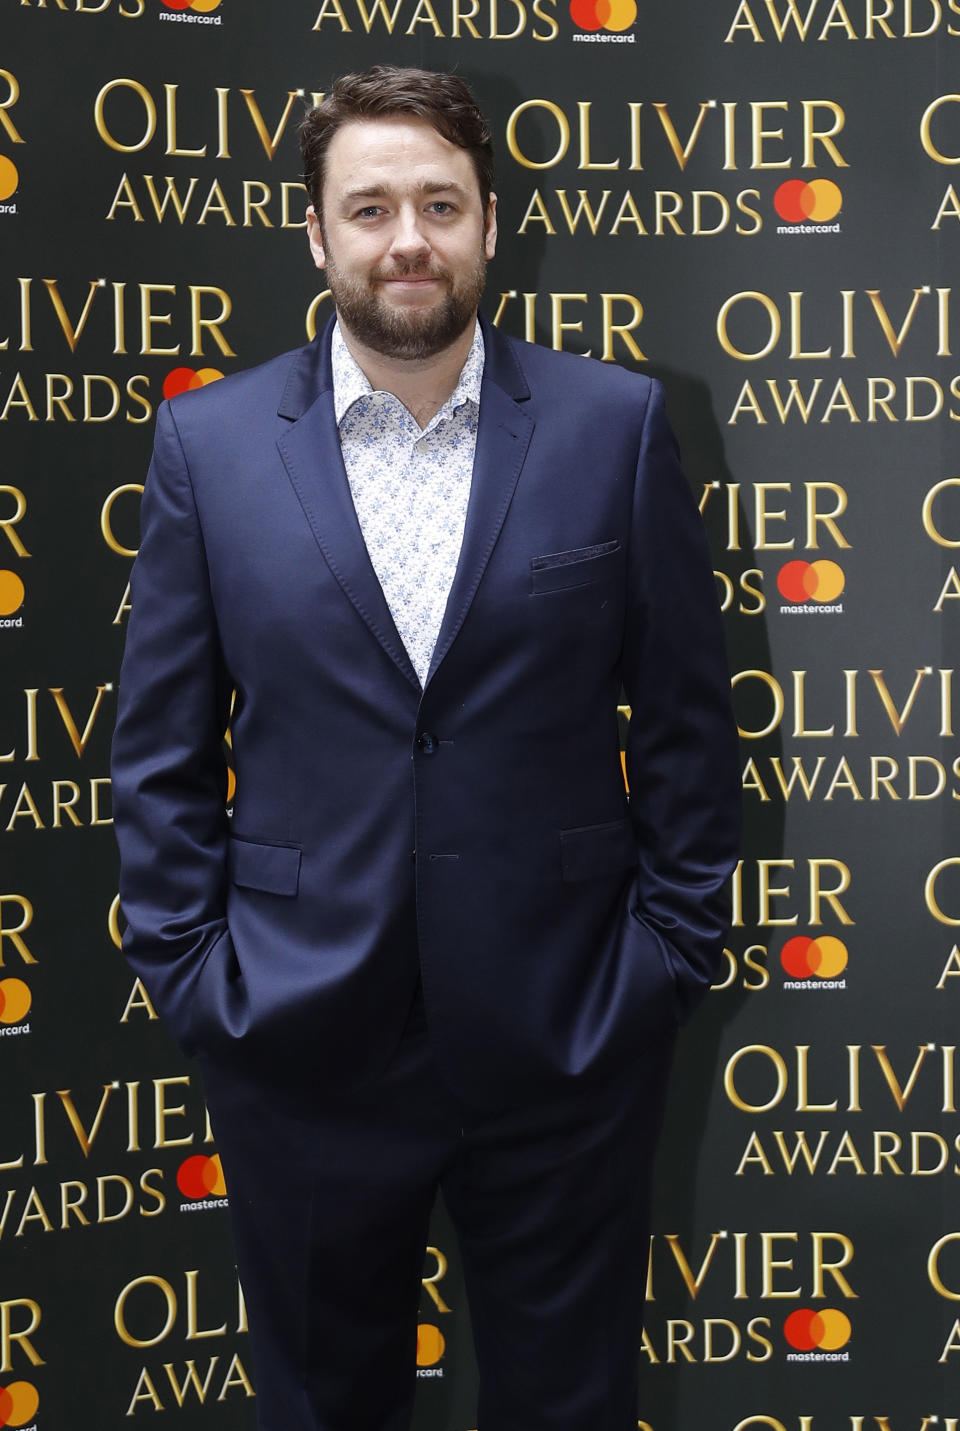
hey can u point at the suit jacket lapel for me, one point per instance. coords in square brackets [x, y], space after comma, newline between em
[311, 453]
[502, 440]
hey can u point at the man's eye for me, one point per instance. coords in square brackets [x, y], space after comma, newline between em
[370, 211]
[440, 206]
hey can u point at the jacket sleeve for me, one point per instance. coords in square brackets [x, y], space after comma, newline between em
[682, 756]
[168, 769]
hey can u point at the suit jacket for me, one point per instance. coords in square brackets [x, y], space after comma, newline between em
[476, 831]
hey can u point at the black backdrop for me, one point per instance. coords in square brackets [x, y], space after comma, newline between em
[756, 202]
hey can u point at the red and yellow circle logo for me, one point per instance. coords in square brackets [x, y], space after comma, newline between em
[798, 201]
[201, 1176]
[9, 178]
[825, 957]
[807, 1330]
[801, 581]
[615, 15]
[430, 1344]
[15, 1001]
[11, 593]
[181, 380]
[202, 6]
[18, 1403]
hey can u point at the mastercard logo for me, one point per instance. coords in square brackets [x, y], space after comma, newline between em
[18, 1403]
[15, 1001]
[807, 1330]
[201, 1176]
[796, 201]
[202, 6]
[820, 581]
[181, 380]
[430, 1344]
[11, 593]
[825, 957]
[613, 15]
[9, 178]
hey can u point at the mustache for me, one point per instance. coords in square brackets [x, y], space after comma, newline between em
[419, 269]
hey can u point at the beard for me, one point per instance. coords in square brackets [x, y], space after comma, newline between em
[411, 333]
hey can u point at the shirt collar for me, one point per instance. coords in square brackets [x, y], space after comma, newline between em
[350, 384]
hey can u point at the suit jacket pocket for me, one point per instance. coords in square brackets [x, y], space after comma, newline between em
[592, 851]
[558, 571]
[272, 868]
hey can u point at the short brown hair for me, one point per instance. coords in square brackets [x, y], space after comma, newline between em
[443, 100]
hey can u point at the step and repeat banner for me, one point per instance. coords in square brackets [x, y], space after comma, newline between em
[757, 201]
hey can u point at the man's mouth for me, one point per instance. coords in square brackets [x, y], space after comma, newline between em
[412, 278]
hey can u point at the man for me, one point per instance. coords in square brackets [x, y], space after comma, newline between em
[435, 948]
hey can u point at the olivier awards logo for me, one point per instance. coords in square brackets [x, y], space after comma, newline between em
[742, 1266]
[196, 12]
[604, 21]
[153, 1311]
[807, 207]
[19, 1401]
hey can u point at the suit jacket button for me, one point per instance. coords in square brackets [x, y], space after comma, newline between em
[427, 743]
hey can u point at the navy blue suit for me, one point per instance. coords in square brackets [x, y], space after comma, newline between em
[476, 833]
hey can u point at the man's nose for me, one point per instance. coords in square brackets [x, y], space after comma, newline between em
[409, 241]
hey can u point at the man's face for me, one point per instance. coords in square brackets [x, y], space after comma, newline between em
[404, 239]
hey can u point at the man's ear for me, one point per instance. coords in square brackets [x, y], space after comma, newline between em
[316, 238]
[490, 230]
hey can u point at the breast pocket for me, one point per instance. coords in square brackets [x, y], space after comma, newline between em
[581, 566]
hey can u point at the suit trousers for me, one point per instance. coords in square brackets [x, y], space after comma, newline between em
[330, 1201]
